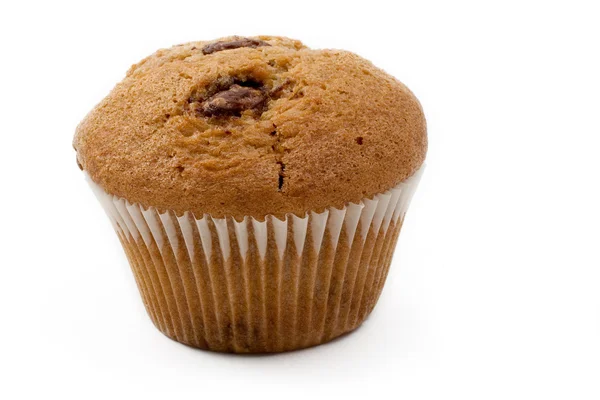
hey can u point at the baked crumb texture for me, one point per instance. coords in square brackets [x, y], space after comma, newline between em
[252, 127]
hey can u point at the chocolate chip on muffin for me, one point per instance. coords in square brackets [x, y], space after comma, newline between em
[233, 101]
[233, 44]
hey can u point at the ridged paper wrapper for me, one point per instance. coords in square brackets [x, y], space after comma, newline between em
[254, 286]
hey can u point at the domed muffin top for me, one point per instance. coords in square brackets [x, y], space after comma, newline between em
[252, 126]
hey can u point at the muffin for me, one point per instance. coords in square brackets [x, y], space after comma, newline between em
[257, 186]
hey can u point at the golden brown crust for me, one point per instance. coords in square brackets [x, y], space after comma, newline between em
[331, 129]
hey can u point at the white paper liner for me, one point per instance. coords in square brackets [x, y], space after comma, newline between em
[260, 286]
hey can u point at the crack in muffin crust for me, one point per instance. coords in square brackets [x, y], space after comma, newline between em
[237, 102]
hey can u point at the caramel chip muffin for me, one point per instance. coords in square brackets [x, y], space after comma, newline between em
[258, 187]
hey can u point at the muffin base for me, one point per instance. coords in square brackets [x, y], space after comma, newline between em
[255, 286]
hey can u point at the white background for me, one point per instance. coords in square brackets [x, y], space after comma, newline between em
[494, 291]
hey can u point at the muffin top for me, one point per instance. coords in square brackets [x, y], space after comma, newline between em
[252, 126]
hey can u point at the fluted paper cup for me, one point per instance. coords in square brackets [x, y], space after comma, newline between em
[260, 285]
